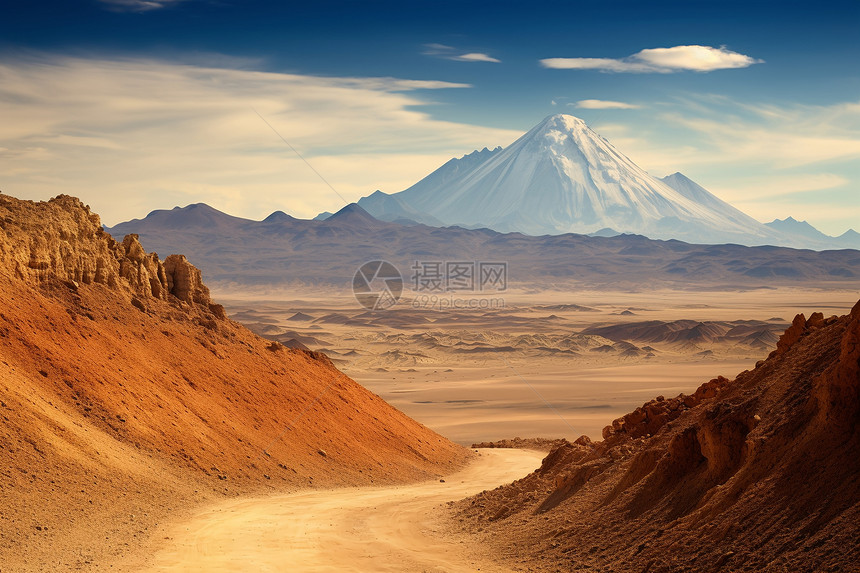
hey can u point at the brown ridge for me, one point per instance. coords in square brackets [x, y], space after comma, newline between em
[759, 473]
[126, 394]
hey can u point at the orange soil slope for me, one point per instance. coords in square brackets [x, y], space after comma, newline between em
[122, 386]
[760, 473]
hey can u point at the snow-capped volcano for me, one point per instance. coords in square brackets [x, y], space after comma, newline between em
[563, 177]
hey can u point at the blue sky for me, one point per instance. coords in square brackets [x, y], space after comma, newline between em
[136, 105]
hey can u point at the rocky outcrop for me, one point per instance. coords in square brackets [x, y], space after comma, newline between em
[144, 272]
[800, 326]
[650, 417]
[791, 335]
[62, 239]
[758, 473]
[540, 444]
[836, 393]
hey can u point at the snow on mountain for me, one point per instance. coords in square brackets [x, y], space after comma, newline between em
[392, 208]
[797, 228]
[814, 238]
[695, 192]
[563, 177]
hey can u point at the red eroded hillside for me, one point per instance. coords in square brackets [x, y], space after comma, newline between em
[125, 393]
[759, 473]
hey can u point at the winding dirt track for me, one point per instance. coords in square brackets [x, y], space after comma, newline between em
[351, 529]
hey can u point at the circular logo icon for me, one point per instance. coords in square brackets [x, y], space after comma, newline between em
[377, 285]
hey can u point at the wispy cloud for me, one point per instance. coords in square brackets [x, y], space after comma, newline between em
[717, 130]
[770, 160]
[135, 135]
[660, 60]
[476, 57]
[782, 138]
[452, 53]
[829, 202]
[138, 5]
[760, 190]
[602, 104]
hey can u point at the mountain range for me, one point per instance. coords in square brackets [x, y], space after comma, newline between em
[282, 249]
[812, 237]
[562, 177]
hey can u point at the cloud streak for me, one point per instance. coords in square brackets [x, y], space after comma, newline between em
[724, 132]
[769, 160]
[602, 104]
[452, 53]
[138, 5]
[135, 135]
[781, 138]
[693, 58]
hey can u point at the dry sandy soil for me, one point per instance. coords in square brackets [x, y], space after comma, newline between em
[406, 528]
[526, 369]
[396, 529]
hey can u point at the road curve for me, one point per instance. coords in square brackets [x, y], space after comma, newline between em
[367, 529]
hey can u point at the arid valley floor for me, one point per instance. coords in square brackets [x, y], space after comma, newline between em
[547, 364]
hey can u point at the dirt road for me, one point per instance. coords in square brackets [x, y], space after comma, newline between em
[382, 529]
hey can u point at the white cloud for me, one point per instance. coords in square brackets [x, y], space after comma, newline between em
[695, 58]
[135, 135]
[660, 60]
[452, 53]
[603, 104]
[475, 57]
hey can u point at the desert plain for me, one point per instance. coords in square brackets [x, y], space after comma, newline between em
[547, 363]
[473, 375]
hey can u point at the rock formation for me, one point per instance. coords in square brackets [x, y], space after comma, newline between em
[61, 239]
[758, 473]
[125, 394]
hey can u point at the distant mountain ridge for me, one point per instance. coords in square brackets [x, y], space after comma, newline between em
[850, 239]
[563, 177]
[282, 249]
